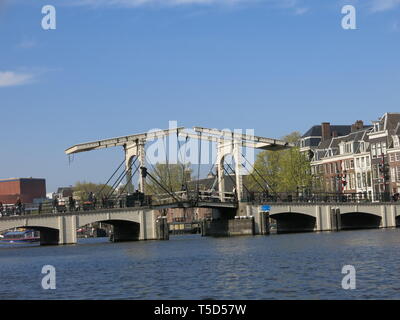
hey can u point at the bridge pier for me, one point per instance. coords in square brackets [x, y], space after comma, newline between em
[67, 226]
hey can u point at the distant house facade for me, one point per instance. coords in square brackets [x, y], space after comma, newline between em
[362, 160]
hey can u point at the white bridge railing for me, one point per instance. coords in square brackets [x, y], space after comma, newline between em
[203, 195]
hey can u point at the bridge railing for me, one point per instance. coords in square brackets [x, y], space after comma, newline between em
[13, 210]
[136, 199]
[262, 197]
[193, 196]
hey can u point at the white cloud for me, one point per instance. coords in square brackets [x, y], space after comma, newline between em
[11, 78]
[384, 5]
[27, 43]
[300, 11]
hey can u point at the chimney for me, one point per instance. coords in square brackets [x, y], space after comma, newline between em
[358, 125]
[326, 130]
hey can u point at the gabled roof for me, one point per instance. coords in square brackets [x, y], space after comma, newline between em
[316, 131]
[333, 143]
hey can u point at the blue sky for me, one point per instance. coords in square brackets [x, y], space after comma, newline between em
[118, 67]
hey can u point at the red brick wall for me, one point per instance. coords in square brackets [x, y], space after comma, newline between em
[32, 189]
[10, 187]
[26, 189]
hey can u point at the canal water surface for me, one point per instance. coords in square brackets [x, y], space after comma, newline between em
[290, 266]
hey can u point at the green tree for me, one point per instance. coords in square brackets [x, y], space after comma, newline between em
[170, 176]
[285, 171]
[82, 189]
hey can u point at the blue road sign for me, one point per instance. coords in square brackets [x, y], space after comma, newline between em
[265, 208]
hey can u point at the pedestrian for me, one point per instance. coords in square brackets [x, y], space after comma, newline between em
[94, 201]
[55, 204]
[18, 206]
[71, 203]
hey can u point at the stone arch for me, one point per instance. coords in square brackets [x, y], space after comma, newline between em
[123, 229]
[359, 220]
[133, 150]
[225, 149]
[49, 235]
[289, 222]
[371, 209]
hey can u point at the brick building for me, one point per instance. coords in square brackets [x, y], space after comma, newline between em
[364, 161]
[27, 189]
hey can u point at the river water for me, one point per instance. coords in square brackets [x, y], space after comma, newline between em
[289, 266]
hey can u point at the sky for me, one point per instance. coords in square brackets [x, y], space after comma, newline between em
[118, 67]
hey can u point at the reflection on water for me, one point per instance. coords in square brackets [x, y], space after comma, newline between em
[291, 266]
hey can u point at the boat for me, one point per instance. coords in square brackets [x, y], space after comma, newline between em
[20, 236]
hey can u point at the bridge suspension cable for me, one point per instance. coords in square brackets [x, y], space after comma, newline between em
[112, 176]
[120, 178]
[145, 173]
[129, 181]
[261, 176]
[233, 171]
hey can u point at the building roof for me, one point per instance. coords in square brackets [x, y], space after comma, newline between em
[316, 131]
[333, 143]
[19, 179]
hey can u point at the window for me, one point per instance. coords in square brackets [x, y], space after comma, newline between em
[369, 178]
[373, 150]
[364, 180]
[378, 150]
[398, 173]
[358, 180]
[351, 164]
[392, 157]
[349, 147]
[367, 161]
[396, 141]
[398, 156]
[362, 162]
[393, 174]
[351, 181]
[384, 147]
[357, 162]
[374, 171]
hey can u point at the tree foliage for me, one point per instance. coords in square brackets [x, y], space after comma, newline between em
[285, 171]
[170, 176]
[82, 189]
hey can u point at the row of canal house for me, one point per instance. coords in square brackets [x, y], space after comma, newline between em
[358, 159]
